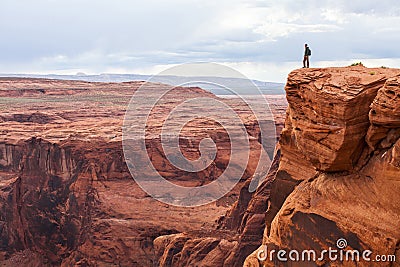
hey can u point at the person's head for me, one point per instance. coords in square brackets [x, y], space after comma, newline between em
[305, 45]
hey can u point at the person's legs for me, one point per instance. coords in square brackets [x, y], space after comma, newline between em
[308, 62]
[304, 61]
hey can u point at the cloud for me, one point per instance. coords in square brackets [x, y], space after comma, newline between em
[122, 35]
[277, 30]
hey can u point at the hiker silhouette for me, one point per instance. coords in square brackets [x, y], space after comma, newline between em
[307, 54]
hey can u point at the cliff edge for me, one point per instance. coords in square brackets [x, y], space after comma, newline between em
[339, 172]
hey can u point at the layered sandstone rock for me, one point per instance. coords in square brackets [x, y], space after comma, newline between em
[66, 195]
[339, 174]
[334, 151]
[238, 232]
[335, 174]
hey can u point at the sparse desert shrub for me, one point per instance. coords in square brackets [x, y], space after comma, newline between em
[357, 64]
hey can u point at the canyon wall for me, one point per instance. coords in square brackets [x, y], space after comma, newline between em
[339, 173]
[67, 197]
[335, 175]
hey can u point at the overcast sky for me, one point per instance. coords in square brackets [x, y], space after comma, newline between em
[262, 39]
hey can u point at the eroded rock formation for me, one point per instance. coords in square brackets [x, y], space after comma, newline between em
[339, 173]
[66, 195]
[336, 175]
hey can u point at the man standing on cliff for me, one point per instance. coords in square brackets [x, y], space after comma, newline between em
[307, 54]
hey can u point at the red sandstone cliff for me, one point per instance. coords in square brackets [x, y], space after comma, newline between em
[339, 173]
[336, 175]
[66, 195]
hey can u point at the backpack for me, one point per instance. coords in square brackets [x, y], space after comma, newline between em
[309, 51]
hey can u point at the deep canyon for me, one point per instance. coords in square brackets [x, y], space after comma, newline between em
[67, 197]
